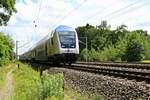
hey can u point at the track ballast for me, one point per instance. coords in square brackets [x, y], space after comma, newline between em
[138, 72]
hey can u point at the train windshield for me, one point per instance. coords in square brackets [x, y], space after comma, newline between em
[67, 39]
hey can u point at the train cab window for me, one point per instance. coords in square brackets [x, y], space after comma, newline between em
[67, 39]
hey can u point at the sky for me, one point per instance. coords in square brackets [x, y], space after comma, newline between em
[36, 19]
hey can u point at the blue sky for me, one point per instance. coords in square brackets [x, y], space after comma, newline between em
[133, 13]
[24, 1]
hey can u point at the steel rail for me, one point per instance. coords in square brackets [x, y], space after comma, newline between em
[138, 74]
[124, 65]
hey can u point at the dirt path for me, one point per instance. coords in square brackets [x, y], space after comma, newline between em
[7, 90]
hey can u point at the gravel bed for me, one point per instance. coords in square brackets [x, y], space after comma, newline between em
[110, 88]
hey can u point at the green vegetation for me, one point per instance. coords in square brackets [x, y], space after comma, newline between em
[7, 7]
[6, 49]
[116, 45]
[3, 72]
[145, 61]
[28, 85]
[6, 44]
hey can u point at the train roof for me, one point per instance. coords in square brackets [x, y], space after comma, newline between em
[41, 41]
[64, 28]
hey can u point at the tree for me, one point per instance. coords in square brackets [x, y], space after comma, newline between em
[118, 34]
[132, 47]
[120, 44]
[7, 7]
[134, 51]
[88, 26]
[6, 49]
[104, 26]
[85, 31]
[122, 28]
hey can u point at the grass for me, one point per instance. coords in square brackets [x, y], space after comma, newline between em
[28, 85]
[3, 72]
[146, 61]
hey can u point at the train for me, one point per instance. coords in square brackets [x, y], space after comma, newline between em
[61, 46]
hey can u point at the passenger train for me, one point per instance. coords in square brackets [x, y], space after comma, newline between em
[61, 46]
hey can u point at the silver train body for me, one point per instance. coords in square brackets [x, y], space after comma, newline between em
[61, 46]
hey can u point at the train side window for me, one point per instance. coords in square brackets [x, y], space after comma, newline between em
[35, 52]
[46, 49]
[49, 43]
[52, 41]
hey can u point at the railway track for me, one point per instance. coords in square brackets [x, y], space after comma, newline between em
[115, 86]
[138, 72]
[126, 65]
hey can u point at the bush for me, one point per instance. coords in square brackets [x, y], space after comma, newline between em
[52, 85]
[134, 52]
[110, 54]
[6, 49]
[29, 86]
[132, 47]
[84, 54]
[94, 55]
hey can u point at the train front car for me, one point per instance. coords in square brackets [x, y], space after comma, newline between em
[68, 44]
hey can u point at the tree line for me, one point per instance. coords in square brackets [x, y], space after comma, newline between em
[120, 44]
[6, 43]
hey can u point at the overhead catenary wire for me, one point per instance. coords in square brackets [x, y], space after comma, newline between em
[120, 12]
[129, 10]
[116, 11]
[69, 13]
[37, 14]
[99, 11]
[60, 19]
[25, 44]
[129, 17]
[144, 24]
[34, 18]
